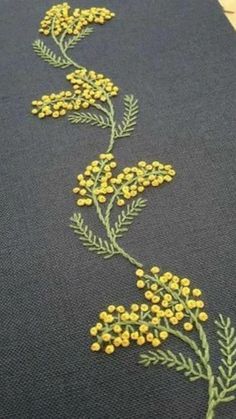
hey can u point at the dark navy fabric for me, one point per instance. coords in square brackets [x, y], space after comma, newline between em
[178, 58]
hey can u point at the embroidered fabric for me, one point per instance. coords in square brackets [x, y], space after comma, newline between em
[172, 300]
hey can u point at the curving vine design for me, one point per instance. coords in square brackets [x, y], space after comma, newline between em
[171, 307]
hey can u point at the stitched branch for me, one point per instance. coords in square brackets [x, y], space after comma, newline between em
[89, 239]
[89, 118]
[126, 127]
[227, 377]
[48, 55]
[193, 371]
[127, 216]
[75, 39]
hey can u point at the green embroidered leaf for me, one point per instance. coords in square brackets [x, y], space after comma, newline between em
[48, 55]
[130, 117]
[227, 341]
[89, 118]
[192, 370]
[89, 239]
[74, 39]
[127, 216]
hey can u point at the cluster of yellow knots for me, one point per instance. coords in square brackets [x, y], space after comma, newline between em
[88, 88]
[98, 180]
[171, 302]
[90, 84]
[60, 18]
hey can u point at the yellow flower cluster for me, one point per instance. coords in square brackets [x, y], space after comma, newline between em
[126, 185]
[55, 104]
[134, 180]
[91, 86]
[62, 19]
[119, 327]
[171, 294]
[171, 301]
[97, 173]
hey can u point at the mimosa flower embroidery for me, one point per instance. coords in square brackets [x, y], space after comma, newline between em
[172, 303]
[98, 181]
[170, 306]
[89, 88]
[61, 18]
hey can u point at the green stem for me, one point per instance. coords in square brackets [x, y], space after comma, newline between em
[111, 237]
[113, 124]
[211, 395]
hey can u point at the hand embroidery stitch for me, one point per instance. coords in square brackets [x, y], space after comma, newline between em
[173, 308]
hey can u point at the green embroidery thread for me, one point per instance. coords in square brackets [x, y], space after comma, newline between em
[173, 308]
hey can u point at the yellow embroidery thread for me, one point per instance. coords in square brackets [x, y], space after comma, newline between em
[172, 307]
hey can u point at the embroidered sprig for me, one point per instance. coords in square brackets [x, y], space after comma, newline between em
[89, 89]
[97, 182]
[62, 19]
[171, 306]
[172, 302]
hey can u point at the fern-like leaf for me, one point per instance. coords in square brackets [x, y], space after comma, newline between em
[89, 239]
[127, 216]
[75, 39]
[48, 55]
[192, 370]
[89, 118]
[130, 117]
[227, 377]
